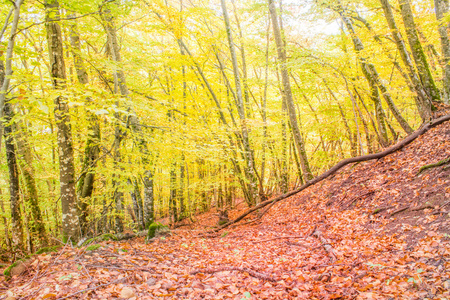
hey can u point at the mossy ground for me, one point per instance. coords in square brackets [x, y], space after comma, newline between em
[103, 237]
[154, 227]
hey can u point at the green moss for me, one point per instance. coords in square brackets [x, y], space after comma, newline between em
[108, 236]
[154, 227]
[103, 237]
[93, 247]
[222, 222]
[48, 249]
[7, 272]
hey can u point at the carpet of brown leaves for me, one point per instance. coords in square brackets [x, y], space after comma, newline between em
[381, 232]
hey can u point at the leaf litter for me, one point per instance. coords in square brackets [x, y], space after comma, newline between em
[374, 230]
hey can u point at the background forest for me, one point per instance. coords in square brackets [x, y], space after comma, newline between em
[116, 113]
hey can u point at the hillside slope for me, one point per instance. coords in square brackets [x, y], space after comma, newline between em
[375, 230]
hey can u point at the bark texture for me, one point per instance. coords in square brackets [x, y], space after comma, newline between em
[11, 159]
[130, 122]
[375, 82]
[417, 51]
[70, 223]
[441, 9]
[252, 187]
[28, 173]
[92, 150]
[281, 51]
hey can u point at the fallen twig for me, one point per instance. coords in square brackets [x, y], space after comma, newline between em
[380, 209]
[353, 200]
[243, 270]
[325, 243]
[280, 237]
[399, 211]
[423, 207]
[298, 244]
[445, 204]
[118, 268]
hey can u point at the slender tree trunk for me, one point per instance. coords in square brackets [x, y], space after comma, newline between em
[423, 101]
[264, 111]
[213, 96]
[173, 193]
[149, 213]
[248, 154]
[374, 94]
[28, 172]
[9, 53]
[284, 151]
[417, 51]
[70, 224]
[288, 93]
[132, 120]
[14, 192]
[244, 64]
[5, 109]
[441, 9]
[371, 74]
[181, 188]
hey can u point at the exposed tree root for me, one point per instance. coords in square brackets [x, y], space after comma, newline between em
[341, 164]
[243, 270]
[351, 201]
[399, 211]
[434, 165]
[380, 209]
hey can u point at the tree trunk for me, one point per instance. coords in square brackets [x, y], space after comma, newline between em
[181, 187]
[28, 172]
[423, 101]
[299, 143]
[92, 150]
[371, 74]
[132, 120]
[374, 94]
[441, 9]
[7, 68]
[14, 192]
[62, 117]
[5, 108]
[417, 51]
[248, 154]
[173, 193]
[244, 64]
[149, 214]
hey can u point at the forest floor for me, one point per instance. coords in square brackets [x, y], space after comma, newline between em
[381, 231]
